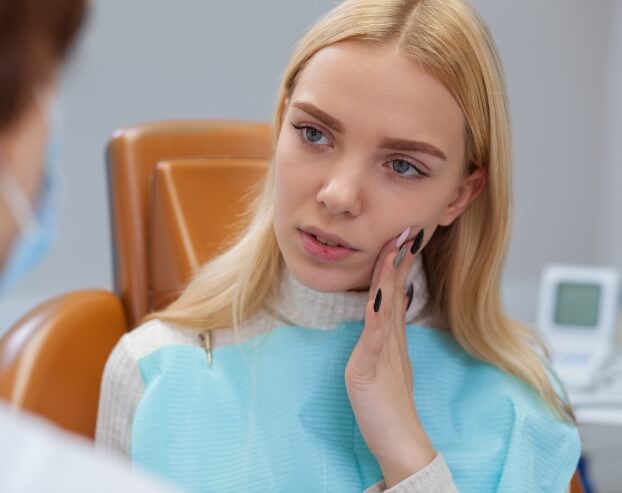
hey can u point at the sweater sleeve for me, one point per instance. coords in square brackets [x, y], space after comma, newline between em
[121, 389]
[433, 478]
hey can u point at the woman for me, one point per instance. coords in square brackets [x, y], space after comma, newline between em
[354, 333]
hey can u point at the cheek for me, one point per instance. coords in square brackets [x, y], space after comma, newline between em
[295, 177]
[292, 185]
[433, 208]
[283, 169]
[421, 207]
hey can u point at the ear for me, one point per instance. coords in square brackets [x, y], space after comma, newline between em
[467, 192]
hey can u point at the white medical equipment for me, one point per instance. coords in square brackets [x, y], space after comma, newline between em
[578, 317]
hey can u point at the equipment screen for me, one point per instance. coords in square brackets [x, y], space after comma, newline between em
[577, 305]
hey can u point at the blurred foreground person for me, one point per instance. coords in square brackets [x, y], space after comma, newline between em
[35, 38]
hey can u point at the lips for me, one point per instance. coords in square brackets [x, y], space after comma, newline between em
[324, 235]
[321, 252]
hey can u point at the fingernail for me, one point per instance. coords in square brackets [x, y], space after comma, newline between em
[399, 257]
[402, 238]
[409, 293]
[417, 244]
[378, 300]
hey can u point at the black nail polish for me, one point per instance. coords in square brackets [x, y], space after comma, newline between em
[417, 244]
[409, 293]
[378, 300]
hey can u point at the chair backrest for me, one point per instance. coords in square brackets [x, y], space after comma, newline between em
[133, 155]
[196, 209]
[177, 191]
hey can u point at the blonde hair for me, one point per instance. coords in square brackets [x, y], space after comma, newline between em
[463, 262]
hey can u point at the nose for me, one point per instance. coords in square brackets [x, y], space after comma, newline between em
[341, 192]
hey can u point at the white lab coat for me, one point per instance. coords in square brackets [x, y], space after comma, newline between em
[36, 457]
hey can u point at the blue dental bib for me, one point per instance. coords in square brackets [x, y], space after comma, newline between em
[272, 414]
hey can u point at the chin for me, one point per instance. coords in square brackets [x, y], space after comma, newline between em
[327, 278]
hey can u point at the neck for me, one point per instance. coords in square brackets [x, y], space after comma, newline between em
[300, 305]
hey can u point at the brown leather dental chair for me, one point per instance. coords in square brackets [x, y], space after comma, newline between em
[178, 192]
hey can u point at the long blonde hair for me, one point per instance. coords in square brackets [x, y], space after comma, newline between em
[463, 262]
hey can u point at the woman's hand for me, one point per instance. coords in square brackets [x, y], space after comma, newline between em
[379, 378]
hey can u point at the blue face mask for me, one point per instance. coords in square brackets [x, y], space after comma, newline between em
[36, 224]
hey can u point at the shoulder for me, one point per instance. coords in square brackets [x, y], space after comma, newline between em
[153, 335]
[123, 364]
[487, 390]
[123, 380]
[538, 446]
[445, 367]
[515, 436]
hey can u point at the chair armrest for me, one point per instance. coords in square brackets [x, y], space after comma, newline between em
[52, 360]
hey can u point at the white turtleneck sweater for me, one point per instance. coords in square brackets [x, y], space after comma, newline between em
[298, 305]
[509, 455]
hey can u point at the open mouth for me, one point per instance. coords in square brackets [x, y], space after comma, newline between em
[330, 240]
[322, 249]
[326, 242]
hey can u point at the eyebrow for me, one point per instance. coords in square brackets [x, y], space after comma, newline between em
[321, 115]
[412, 145]
[386, 143]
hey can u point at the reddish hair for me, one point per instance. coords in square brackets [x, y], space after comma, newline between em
[35, 38]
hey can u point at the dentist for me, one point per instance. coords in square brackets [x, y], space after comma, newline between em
[35, 39]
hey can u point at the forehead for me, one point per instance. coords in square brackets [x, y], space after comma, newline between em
[378, 92]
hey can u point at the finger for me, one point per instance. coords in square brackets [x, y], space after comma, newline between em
[391, 309]
[364, 359]
[391, 339]
[412, 248]
[386, 275]
[385, 293]
[398, 317]
[389, 295]
[397, 342]
[386, 249]
[372, 342]
[397, 348]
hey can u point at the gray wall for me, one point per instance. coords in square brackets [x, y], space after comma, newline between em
[156, 59]
[611, 225]
[557, 60]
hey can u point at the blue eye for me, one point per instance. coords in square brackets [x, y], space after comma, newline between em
[401, 168]
[310, 135]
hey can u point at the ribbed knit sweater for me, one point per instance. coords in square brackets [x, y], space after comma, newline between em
[270, 413]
